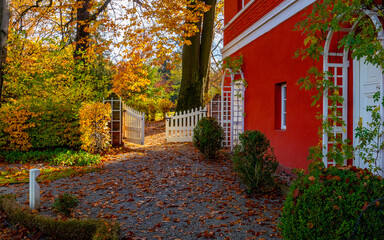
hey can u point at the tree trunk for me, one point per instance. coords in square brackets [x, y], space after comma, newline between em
[190, 89]
[82, 35]
[84, 19]
[195, 63]
[4, 18]
[207, 36]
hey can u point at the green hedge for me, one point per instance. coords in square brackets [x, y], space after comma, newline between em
[327, 203]
[56, 126]
[59, 229]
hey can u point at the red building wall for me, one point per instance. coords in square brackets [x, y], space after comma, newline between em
[268, 61]
[248, 17]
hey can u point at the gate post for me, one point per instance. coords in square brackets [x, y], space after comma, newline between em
[115, 125]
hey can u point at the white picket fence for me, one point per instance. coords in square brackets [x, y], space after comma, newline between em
[134, 125]
[179, 126]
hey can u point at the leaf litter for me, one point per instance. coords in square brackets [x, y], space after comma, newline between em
[166, 191]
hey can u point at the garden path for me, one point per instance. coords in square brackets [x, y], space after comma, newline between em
[166, 191]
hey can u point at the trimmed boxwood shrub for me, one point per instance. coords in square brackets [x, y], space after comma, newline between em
[65, 203]
[326, 204]
[254, 161]
[208, 137]
[59, 229]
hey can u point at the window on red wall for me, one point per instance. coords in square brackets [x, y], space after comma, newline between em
[281, 106]
[240, 4]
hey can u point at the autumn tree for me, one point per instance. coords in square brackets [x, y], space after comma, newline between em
[4, 18]
[83, 24]
[196, 60]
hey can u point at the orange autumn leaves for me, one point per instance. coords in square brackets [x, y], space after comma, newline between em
[13, 123]
[94, 118]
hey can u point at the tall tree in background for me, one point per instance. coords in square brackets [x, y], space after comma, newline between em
[196, 60]
[84, 20]
[4, 18]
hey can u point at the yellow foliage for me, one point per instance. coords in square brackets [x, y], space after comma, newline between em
[13, 123]
[94, 118]
[165, 105]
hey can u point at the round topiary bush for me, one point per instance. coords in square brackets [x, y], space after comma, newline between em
[254, 161]
[208, 137]
[327, 203]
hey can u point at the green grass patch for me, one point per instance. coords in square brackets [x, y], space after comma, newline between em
[58, 156]
[46, 174]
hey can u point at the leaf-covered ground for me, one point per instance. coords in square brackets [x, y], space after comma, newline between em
[166, 191]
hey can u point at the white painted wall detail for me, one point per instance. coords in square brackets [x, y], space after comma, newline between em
[34, 189]
[367, 81]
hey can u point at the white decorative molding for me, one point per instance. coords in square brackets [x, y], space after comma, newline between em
[272, 19]
[239, 13]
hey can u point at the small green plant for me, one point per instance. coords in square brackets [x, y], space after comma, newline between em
[65, 204]
[72, 158]
[208, 137]
[254, 161]
[327, 203]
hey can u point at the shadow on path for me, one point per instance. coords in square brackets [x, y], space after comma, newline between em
[167, 191]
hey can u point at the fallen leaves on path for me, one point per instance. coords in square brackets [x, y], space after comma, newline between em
[168, 191]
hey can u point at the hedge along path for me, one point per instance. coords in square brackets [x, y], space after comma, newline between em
[167, 191]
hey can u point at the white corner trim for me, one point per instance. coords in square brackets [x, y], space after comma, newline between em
[279, 14]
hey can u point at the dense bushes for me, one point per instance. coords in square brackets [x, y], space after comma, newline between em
[57, 125]
[95, 135]
[254, 161]
[208, 137]
[59, 229]
[326, 204]
[14, 121]
[47, 125]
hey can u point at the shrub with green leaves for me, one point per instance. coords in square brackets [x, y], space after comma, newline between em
[254, 161]
[72, 158]
[208, 137]
[65, 203]
[80, 229]
[326, 204]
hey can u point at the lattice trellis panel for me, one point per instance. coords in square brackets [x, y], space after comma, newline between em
[232, 107]
[338, 70]
[226, 119]
[238, 92]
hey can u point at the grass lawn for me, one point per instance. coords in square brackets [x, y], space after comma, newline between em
[46, 174]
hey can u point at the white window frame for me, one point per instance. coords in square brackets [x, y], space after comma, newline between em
[283, 106]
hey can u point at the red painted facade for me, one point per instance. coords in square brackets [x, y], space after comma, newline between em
[268, 62]
[248, 17]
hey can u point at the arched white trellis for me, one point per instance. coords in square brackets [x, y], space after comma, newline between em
[232, 106]
[339, 75]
